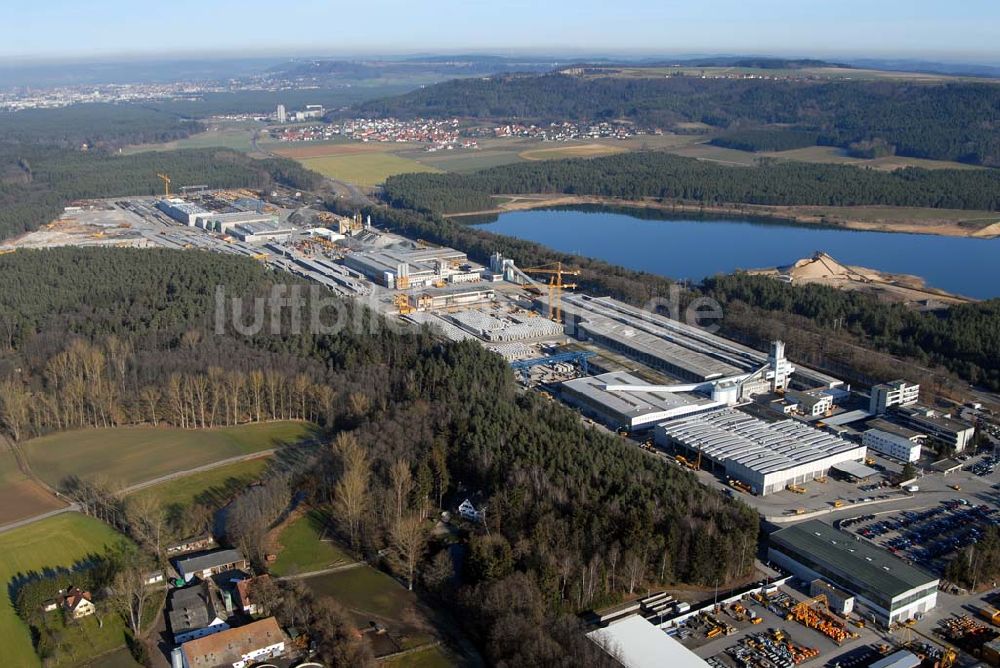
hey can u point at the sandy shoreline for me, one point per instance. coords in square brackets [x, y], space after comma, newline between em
[845, 217]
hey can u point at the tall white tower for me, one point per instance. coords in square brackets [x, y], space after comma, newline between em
[282, 114]
[781, 368]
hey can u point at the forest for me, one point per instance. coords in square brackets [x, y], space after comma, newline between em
[37, 181]
[852, 335]
[766, 139]
[954, 121]
[96, 125]
[577, 518]
[669, 177]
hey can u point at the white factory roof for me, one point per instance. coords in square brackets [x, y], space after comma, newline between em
[847, 418]
[637, 643]
[859, 471]
[765, 447]
[630, 404]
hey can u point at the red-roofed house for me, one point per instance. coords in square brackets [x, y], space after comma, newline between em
[78, 603]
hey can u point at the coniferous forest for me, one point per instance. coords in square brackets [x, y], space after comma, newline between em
[669, 177]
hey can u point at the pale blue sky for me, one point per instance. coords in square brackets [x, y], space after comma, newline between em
[958, 29]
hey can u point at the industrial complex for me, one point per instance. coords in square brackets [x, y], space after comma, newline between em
[801, 447]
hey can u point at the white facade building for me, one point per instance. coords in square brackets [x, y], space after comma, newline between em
[892, 444]
[893, 393]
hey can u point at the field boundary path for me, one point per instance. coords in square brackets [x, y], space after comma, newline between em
[197, 469]
[75, 507]
[324, 571]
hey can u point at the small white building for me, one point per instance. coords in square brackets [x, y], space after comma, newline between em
[811, 402]
[471, 513]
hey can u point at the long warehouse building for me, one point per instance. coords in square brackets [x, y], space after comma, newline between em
[883, 584]
[683, 351]
[765, 455]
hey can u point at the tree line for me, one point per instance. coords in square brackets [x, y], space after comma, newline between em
[952, 121]
[37, 181]
[576, 517]
[667, 177]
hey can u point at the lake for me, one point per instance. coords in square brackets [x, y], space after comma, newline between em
[692, 247]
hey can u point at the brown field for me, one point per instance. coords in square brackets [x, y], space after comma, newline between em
[20, 496]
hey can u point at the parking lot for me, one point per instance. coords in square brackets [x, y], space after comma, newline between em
[928, 537]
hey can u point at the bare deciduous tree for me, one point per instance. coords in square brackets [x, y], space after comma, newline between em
[350, 492]
[409, 537]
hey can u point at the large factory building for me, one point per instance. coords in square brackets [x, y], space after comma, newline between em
[634, 409]
[403, 267]
[679, 350]
[765, 455]
[886, 586]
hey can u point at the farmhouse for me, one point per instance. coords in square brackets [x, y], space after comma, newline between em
[198, 611]
[240, 647]
[77, 603]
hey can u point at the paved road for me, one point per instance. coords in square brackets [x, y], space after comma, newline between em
[198, 469]
[75, 507]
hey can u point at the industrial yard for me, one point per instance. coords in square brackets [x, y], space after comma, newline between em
[816, 459]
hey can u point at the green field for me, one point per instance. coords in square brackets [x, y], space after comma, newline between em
[371, 595]
[234, 135]
[212, 488]
[134, 454]
[302, 548]
[466, 161]
[20, 496]
[571, 150]
[365, 169]
[57, 541]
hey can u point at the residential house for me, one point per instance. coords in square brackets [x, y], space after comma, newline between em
[78, 603]
[243, 592]
[238, 647]
[469, 512]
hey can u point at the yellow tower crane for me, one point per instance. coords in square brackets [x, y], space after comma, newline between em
[555, 272]
[166, 184]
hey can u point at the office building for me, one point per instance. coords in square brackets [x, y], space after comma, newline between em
[893, 393]
[893, 440]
